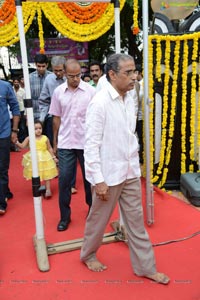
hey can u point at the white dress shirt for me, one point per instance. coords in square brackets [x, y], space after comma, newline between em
[20, 95]
[102, 82]
[111, 147]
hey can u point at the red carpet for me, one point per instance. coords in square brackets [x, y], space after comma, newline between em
[68, 278]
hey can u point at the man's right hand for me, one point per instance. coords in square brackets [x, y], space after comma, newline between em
[102, 190]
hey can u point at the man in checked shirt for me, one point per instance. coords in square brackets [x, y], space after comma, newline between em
[36, 81]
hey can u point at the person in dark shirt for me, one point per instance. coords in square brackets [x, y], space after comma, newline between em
[7, 134]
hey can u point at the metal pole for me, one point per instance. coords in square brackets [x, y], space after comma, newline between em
[118, 50]
[117, 25]
[149, 187]
[41, 255]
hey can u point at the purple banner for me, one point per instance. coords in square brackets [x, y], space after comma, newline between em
[58, 46]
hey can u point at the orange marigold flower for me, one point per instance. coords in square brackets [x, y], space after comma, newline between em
[136, 30]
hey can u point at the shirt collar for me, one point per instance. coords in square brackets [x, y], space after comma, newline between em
[114, 93]
[92, 83]
[81, 85]
[42, 76]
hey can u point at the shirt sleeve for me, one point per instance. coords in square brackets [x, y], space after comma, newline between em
[44, 100]
[12, 102]
[55, 107]
[93, 140]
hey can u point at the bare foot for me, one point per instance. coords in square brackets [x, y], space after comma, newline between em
[48, 194]
[73, 191]
[95, 266]
[159, 278]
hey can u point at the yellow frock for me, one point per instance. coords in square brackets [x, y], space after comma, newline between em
[46, 166]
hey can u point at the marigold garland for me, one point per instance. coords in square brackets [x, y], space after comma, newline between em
[135, 17]
[194, 141]
[9, 32]
[7, 12]
[165, 114]
[83, 14]
[158, 59]
[91, 29]
[151, 108]
[184, 107]
[41, 33]
[193, 114]
[172, 112]
[76, 31]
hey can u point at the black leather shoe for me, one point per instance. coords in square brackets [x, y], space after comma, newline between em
[9, 195]
[63, 225]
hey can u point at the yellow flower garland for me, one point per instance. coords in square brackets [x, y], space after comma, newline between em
[79, 32]
[9, 34]
[158, 59]
[193, 106]
[184, 107]
[75, 31]
[41, 33]
[135, 17]
[151, 106]
[194, 141]
[172, 113]
[165, 110]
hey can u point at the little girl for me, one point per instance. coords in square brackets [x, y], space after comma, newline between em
[46, 159]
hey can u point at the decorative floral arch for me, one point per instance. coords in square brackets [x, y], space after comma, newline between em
[73, 20]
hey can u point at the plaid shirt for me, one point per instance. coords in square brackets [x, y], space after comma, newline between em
[36, 83]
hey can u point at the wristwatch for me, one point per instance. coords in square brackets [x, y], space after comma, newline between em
[15, 130]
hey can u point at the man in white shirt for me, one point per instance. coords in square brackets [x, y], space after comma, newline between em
[112, 167]
[20, 95]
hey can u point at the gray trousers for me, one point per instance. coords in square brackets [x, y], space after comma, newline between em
[129, 197]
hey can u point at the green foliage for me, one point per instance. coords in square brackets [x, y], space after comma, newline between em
[105, 44]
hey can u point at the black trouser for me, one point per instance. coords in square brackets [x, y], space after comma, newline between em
[48, 128]
[4, 166]
[23, 130]
[139, 130]
[67, 162]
